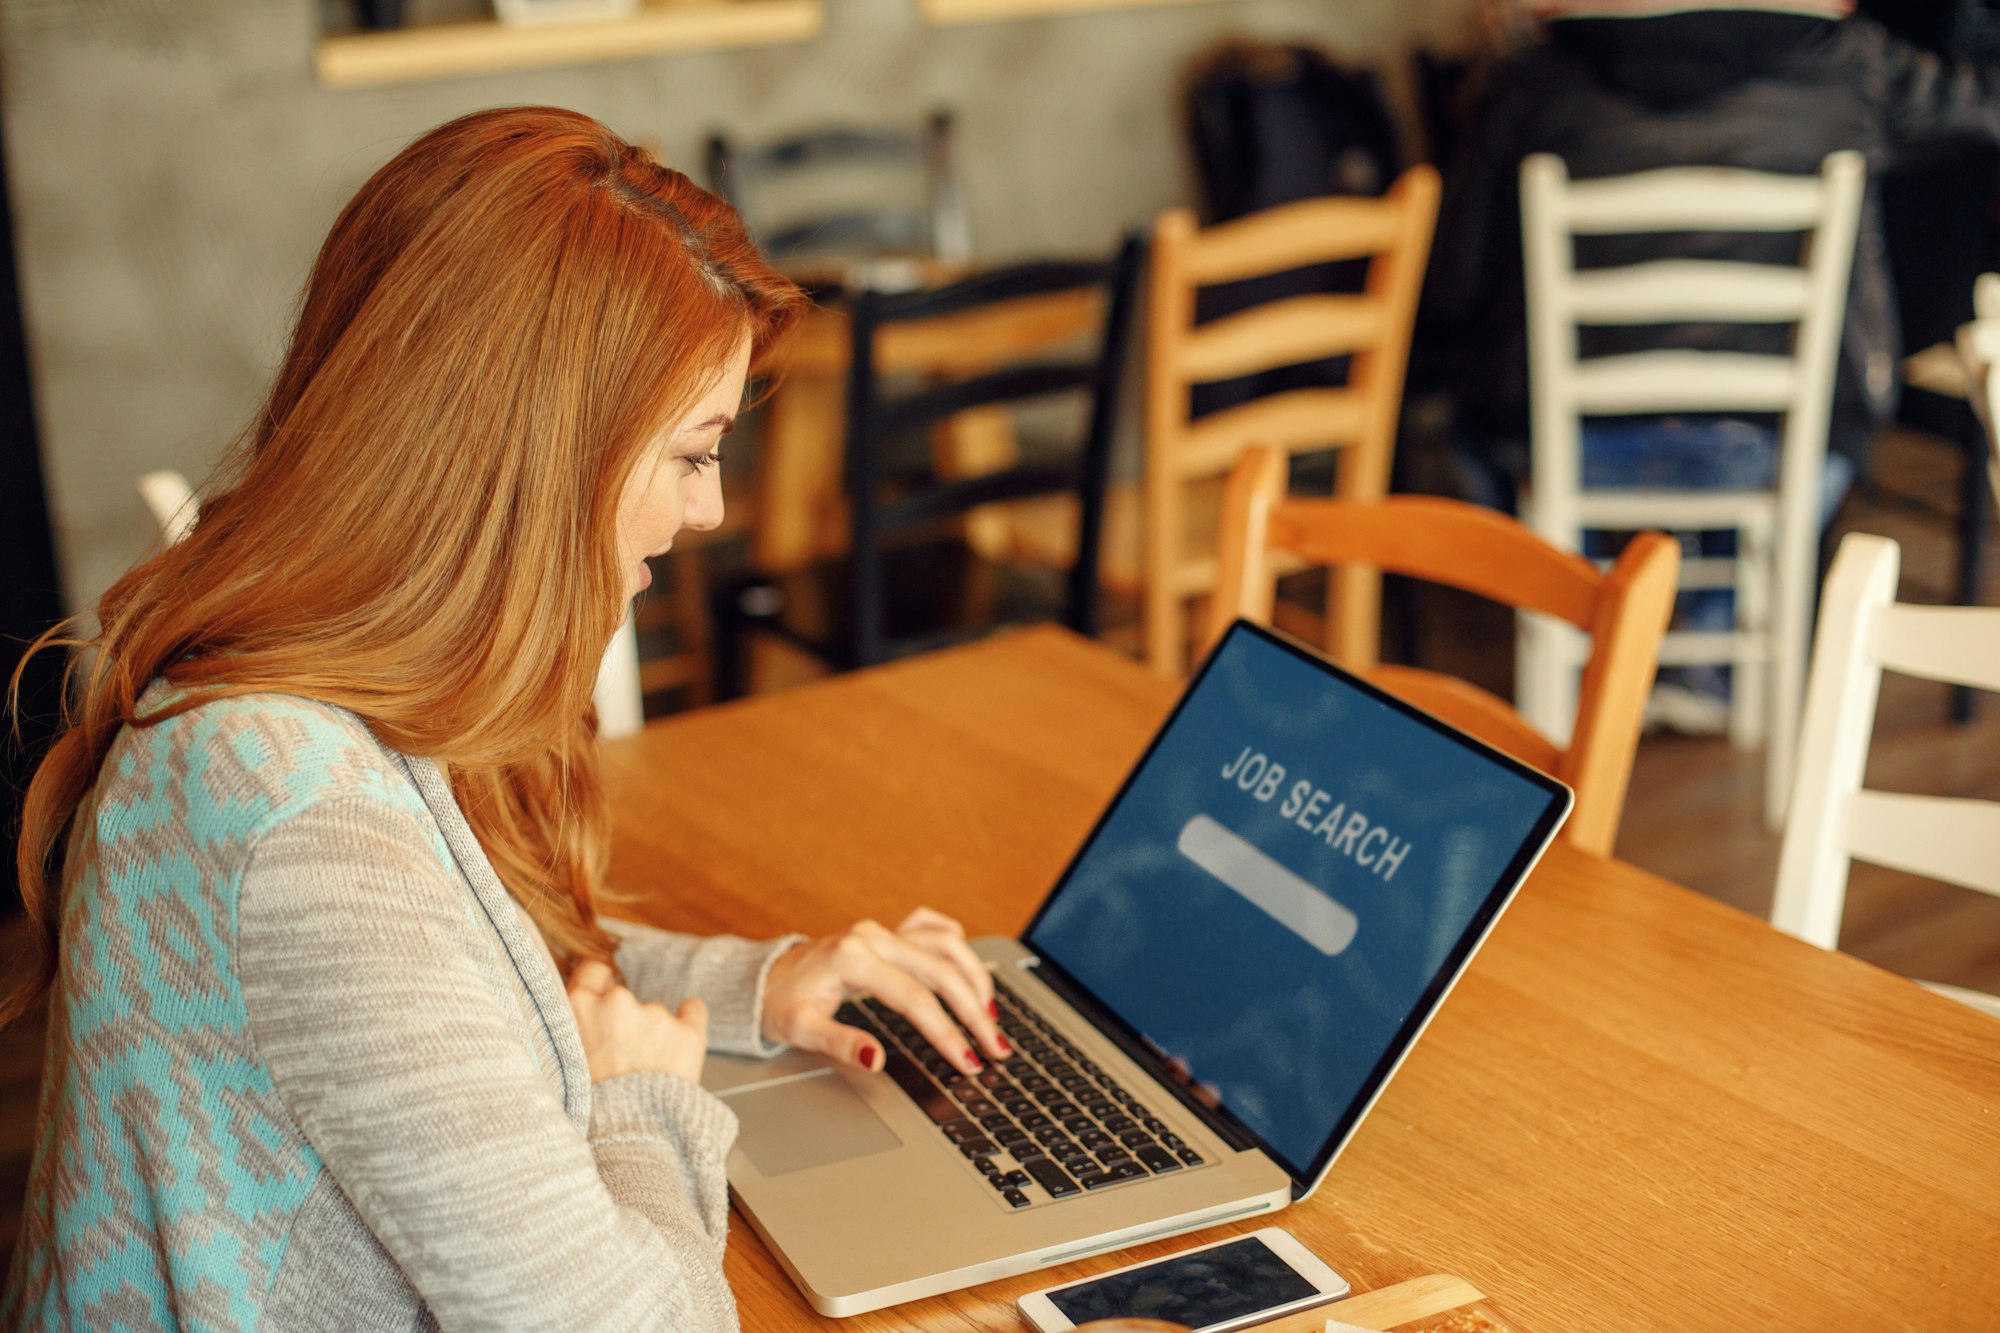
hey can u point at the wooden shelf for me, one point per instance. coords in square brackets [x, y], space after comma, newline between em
[447, 50]
[987, 11]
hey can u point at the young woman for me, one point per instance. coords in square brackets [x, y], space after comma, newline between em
[325, 836]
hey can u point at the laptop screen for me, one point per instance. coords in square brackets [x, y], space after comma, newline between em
[1287, 884]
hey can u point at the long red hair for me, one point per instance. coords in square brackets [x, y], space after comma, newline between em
[420, 524]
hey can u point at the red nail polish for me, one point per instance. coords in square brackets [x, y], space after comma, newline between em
[1006, 1047]
[869, 1055]
[993, 1008]
[972, 1058]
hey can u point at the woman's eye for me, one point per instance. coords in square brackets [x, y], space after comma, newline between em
[700, 461]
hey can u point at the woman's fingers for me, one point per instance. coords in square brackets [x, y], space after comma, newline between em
[592, 977]
[865, 969]
[943, 975]
[945, 937]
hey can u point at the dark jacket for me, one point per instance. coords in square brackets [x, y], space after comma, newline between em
[1773, 92]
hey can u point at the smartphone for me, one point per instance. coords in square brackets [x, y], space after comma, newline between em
[1212, 1288]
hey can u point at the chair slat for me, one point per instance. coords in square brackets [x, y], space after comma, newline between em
[1694, 199]
[1681, 381]
[1684, 289]
[1002, 386]
[955, 497]
[1283, 333]
[1956, 644]
[1471, 710]
[1460, 545]
[1311, 231]
[1289, 421]
[1949, 838]
[972, 340]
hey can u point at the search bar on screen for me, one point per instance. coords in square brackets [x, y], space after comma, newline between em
[1283, 896]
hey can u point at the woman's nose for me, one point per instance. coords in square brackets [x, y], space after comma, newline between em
[704, 510]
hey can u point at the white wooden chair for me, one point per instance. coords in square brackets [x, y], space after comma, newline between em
[620, 707]
[1777, 530]
[1863, 631]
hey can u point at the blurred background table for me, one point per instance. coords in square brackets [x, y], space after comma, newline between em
[1638, 1109]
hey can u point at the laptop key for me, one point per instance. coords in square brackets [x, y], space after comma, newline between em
[1018, 1106]
[987, 1166]
[1079, 1124]
[920, 1089]
[1127, 1171]
[1158, 1160]
[994, 1123]
[1188, 1156]
[1118, 1124]
[979, 1147]
[1095, 1138]
[1136, 1139]
[960, 1130]
[1018, 1199]
[1051, 1178]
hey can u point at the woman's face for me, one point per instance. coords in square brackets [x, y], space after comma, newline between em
[678, 481]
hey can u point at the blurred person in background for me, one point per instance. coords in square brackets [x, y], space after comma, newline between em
[1621, 86]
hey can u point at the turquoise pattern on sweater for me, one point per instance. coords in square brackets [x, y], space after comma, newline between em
[173, 1187]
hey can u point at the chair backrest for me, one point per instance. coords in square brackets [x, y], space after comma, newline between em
[934, 226]
[1004, 338]
[1979, 349]
[1863, 630]
[1371, 327]
[171, 502]
[1812, 298]
[1470, 547]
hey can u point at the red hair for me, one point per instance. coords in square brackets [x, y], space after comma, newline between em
[420, 525]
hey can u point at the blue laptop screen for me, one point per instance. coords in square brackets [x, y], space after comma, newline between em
[1291, 874]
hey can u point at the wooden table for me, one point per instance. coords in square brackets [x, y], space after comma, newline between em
[1639, 1109]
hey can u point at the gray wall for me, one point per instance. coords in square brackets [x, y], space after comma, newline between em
[175, 166]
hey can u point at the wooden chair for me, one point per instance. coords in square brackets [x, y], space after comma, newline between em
[908, 581]
[1777, 529]
[1476, 549]
[1183, 452]
[847, 220]
[618, 695]
[1863, 631]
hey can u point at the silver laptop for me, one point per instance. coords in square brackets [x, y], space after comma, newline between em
[1203, 1009]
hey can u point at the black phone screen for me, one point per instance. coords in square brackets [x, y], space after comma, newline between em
[1199, 1289]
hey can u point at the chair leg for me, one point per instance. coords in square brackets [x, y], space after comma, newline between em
[1750, 672]
[1972, 489]
[1792, 597]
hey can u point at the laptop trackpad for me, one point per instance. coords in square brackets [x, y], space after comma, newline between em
[806, 1123]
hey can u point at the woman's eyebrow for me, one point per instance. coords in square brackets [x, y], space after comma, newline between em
[722, 419]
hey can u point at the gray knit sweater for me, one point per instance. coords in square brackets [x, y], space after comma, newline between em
[311, 1067]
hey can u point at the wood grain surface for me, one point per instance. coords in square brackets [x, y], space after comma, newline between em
[1639, 1109]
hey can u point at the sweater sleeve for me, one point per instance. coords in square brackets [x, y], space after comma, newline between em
[727, 973]
[386, 1024]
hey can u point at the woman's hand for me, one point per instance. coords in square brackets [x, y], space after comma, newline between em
[622, 1036]
[921, 969]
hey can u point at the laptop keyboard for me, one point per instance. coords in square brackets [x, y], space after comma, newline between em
[1044, 1125]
